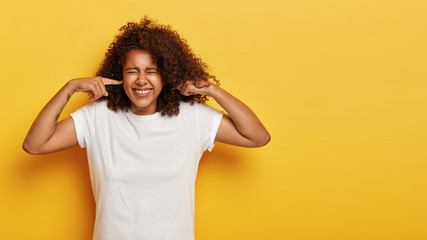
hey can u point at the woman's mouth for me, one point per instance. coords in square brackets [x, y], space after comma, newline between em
[142, 92]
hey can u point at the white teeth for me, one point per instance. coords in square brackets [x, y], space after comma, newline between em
[143, 91]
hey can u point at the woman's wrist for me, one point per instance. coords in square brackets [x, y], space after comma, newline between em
[213, 90]
[72, 86]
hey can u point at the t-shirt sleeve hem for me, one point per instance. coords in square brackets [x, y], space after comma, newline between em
[214, 129]
[78, 128]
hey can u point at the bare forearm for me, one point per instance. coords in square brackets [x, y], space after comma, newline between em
[45, 124]
[46, 135]
[243, 118]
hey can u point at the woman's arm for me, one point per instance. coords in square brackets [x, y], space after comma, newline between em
[46, 135]
[241, 126]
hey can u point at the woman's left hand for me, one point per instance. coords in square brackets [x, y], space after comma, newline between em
[192, 88]
[241, 127]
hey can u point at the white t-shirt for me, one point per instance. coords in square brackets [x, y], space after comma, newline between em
[143, 169]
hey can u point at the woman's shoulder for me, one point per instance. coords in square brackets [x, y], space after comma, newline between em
[190, 106]
[196, 107]
[97, 108]
[185, 105]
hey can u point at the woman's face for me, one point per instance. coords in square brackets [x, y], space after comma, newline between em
[141, 81]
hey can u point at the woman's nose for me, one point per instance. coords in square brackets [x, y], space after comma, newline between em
[142, 79]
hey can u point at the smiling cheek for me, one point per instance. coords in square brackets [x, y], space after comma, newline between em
[127, 87]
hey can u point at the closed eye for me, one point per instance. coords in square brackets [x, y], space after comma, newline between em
[151, 70]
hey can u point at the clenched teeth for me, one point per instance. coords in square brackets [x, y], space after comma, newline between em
[143, 91]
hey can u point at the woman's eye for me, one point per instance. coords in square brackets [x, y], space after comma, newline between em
[132, 72]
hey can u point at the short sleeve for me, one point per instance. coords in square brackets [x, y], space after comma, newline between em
[208, 120]
[83, 120]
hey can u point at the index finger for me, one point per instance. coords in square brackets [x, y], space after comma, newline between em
[108, 81]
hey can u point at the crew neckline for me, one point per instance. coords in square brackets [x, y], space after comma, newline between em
[137, 117]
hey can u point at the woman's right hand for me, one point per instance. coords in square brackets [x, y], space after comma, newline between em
[46, 135]
[95, 86]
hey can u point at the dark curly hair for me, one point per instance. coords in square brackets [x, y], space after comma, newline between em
[175, 60]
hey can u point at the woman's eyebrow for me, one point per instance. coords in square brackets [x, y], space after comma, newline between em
[132, 68]
[147, 69]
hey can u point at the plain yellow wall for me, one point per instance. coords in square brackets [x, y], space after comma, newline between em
[340, 85]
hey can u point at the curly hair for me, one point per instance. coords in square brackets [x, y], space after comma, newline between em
[175, 60]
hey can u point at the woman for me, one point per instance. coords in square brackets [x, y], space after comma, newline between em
[145, 132]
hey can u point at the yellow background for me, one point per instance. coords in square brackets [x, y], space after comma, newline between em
[340, 85]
